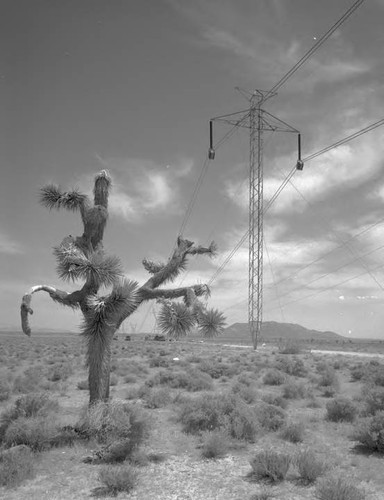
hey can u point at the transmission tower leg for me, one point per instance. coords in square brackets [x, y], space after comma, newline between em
[255, 281]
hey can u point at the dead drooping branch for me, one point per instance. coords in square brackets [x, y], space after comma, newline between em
[65, 298]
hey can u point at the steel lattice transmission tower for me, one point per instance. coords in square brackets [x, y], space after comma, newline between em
[258, 121]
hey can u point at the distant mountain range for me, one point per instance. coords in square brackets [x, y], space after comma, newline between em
[271, 330]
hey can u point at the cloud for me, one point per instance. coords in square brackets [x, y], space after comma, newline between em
[143, 187]
[9, 246]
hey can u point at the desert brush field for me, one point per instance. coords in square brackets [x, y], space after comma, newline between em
[190, 421]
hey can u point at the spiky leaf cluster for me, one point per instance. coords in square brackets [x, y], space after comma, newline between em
[51, 197]
[211, 322]
[176, 319]
[73, 264]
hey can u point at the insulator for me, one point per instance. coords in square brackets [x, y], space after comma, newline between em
[211, 151]
[299, 165]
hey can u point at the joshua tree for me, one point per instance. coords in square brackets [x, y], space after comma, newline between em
[83, 258]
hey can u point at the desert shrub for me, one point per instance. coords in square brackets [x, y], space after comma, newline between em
[292, 366]
[248, 394]
[313, 403]
[262, 495]
[274, 377]
[329, 378]
[121, 427]
[293, 432]
[275, 399]
[337, 488]
[241, 421]
[270, 465]
[290, 347]
[83, 385]
[341, 409]
[29, 381]
[207, 413]
[158, 398]
[193, 380]
[218, 369]
[5, 390]
[35, 432]
[309, 466]
[59, 372]
[158, 362]
[376, 374]
[27, 406]
[357, 372]
[117, 478]
[245, 379]
[370, 432]
[215, 444]
[270, 417]
[294, 390]
[373, 399]
[194, 358]
[16, 465]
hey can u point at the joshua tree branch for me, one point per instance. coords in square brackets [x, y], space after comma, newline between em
[67, 299]
[177, 262]
[149, 293]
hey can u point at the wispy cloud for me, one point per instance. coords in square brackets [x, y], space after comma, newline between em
[143, 187]
[9, 246]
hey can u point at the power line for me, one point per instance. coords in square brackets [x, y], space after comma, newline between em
[317, 45]
[285, 182]
[327, 288]
[363, 131]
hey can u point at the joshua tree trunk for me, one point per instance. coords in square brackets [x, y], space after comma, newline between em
[83, 258]
[99, 363]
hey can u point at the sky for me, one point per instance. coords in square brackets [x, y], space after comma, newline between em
[131, 86]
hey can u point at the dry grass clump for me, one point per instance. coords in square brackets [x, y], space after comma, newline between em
[270, 465]
[225, 412]
[215, 444]
[119, 426]
[275, 399]
[60, 371]
[262, 495]
[274, 377]
[158, 397]
[309, 467]
[192, 380]
[245, 392]
[35, 432]
[30, 380]
[270, 417]
[337, 488]
[370, 432]
[5, 390]
[294, 390]
[290, 347]
[83, 385]
[27, 406]
[373, 398]
[117, 478]
[341, 409]
[291, 366]
[293, 432]
[16, 465]
[219, 369]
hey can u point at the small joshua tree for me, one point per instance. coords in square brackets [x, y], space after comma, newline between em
[83, 258]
